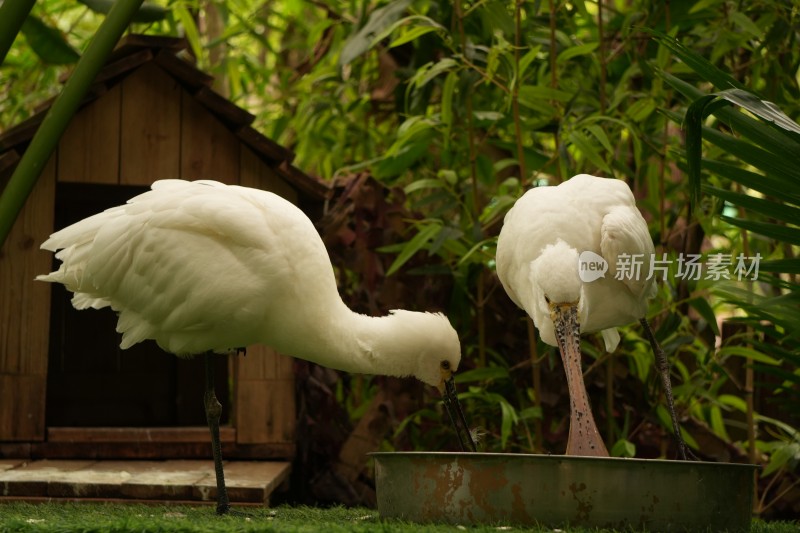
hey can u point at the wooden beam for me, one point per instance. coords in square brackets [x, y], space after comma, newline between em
[157, 435]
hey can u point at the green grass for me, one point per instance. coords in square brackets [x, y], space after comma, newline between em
[89, 517]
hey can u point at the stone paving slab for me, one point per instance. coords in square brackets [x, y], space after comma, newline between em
[185, 480]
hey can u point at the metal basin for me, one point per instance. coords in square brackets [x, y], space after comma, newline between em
[558, 490]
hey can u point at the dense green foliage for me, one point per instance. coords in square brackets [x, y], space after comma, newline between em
[458, 108]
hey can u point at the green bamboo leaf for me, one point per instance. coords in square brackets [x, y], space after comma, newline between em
[467, 256]
[717, 423]
[600, 134]
[413, 246]
[575, 51]
[719, 78]
[704, 309]
[425, 75]
[693, 126]
[785, 266]
[765, 184]
[777, 210]
[741, 351]
[496, 207]
[147, 13]
[190, 30]
[48, 43]
[12, 17]
[413, 34]
[509, 418]
[768, 162]
[772, 139]
[778, 141]
[413, 141]
[447, 235]
[789, 451]
[641, 109]
[495, 16]
[704, 4]
[773, 231]
[363, 39]
[526, 60]
[531, 93]
[733, 402]
[744, 22]
[426, 183]
[789, 430]
[530, 413]
[623, 448]
[482, 374]
[585, 147]
[761, 108]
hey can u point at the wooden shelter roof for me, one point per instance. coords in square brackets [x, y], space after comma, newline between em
[134, 51]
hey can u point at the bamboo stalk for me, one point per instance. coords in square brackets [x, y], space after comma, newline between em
[523, 174]
[554, 83]
[610, 362]
[536, 374]
[473, 173]
[749, 384]
[12, 15]
[602, 54]
[63, 109]
[536, 370]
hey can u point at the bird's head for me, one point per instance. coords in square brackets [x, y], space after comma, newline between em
[438, 352]
[559, 302]
[559, 291]
[432, 341]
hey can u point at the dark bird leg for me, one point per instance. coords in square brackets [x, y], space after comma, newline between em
[663, 368]
[213, 414]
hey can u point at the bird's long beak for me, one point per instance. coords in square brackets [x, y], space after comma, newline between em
[568, 332]
[584, 438]
[456, 414]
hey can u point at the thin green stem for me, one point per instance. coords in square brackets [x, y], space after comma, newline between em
[473, 173]
[12, 16]
[63, 109]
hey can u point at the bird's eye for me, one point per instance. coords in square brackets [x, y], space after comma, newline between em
[546, 299]
[445, 365]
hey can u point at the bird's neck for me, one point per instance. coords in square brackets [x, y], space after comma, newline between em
[357, 343]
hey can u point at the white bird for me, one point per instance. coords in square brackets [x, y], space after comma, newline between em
[203, 267]
[538, 251]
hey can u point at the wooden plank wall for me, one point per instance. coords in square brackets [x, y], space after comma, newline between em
[264, 394]
[25, 308]
[146, 128]
[150, 147]
[88, 152]
[208, 149]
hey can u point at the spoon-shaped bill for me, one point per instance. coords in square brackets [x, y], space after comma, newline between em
[456, 414]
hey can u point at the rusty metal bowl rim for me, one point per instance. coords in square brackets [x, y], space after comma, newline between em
[555, 457]
[407, 489]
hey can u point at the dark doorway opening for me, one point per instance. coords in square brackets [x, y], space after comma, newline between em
[91, 382]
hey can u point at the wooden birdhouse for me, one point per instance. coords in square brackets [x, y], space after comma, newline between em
[66, 389]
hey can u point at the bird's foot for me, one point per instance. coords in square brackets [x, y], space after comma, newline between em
[225, 510]
[686, 453]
